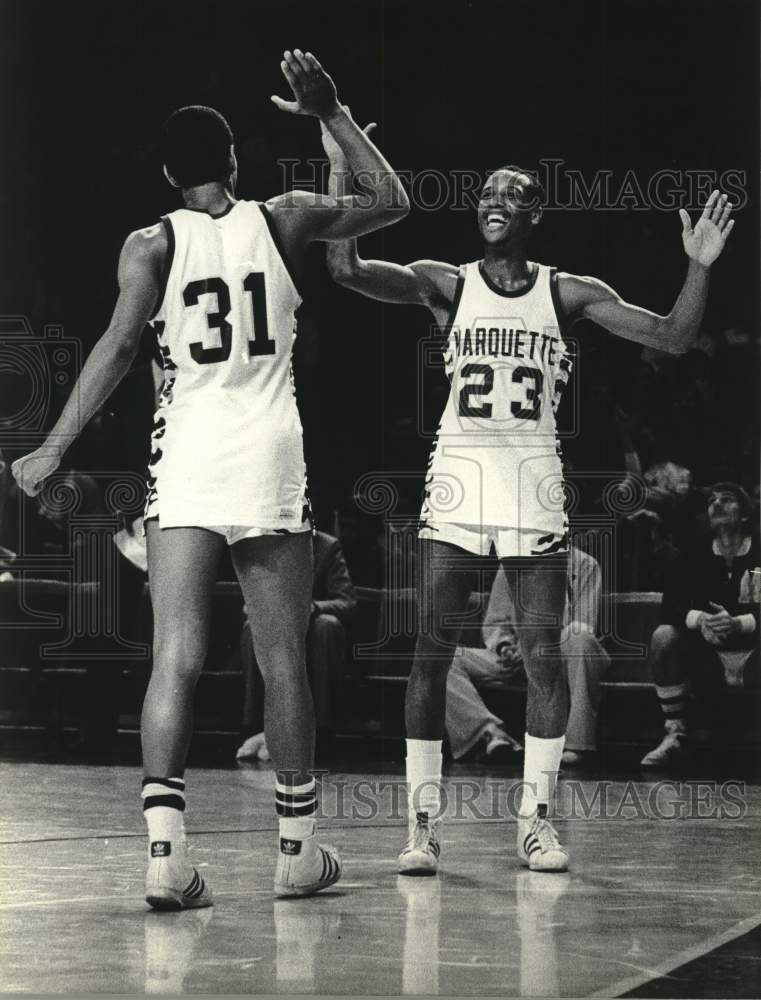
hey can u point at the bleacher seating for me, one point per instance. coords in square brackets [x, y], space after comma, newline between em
[46, 651]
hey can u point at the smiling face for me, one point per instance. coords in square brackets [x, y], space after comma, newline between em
[508, 208]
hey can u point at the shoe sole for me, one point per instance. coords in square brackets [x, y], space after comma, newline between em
[283, 891]
[551, 870]
[562, 866]
[423, 867]
[170, 899]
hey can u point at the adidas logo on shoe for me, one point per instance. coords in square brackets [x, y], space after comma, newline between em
[292, 847]
[161, 849]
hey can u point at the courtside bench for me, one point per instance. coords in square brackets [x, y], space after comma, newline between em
[49, 642]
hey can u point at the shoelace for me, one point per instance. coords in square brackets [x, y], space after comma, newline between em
[420, 837]
[547, 835]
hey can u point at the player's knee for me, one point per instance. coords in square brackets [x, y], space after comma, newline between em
[542, 649]
[178, 655]
[580, 645]
[663, 638]
[281, 656]
[326, 625]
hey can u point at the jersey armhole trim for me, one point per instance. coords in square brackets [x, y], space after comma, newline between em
[168, 260]
[279, 247]
[565, 322]
[455, 302]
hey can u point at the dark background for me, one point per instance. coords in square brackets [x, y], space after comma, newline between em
[455, 86]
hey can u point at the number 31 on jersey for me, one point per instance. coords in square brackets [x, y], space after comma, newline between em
[216, 317]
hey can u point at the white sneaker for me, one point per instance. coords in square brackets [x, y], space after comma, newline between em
[421, 854]
[171, 882]
[538, 845]
[670, 750]
[254, 748]
[305, 867]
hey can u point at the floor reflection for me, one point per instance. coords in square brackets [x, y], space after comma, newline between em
[420, 960]
[171, 943]
[301, 933]
[535, 896]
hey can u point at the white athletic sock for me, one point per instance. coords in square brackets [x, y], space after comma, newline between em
[296, 806]
[541, 763]
[423, 778]
[163, 807]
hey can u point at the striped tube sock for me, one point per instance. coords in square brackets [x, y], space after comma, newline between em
[296, 807]
[163, 806]
[673, 701]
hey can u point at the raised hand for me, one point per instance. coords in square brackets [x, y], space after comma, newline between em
[705, 242]
[32, 470]
[313, 89]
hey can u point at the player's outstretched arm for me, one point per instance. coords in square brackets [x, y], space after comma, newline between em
[675, 332]
[110, 359]
[426, 282]
[306, 217]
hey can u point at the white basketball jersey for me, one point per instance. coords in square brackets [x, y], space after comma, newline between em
[496, 459]
[227, 440]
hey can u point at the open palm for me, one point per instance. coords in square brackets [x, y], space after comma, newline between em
[705, 242]
[313, 89]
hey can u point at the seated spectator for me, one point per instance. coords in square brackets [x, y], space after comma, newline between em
[120, 579]
[333, 606]
[500, 665]
[710, 617]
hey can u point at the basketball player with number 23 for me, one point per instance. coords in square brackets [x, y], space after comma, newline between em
[495, 466]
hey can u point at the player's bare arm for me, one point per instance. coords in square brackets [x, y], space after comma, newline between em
[109, 361]
[425, 282]
[593, 299]
[302, 217]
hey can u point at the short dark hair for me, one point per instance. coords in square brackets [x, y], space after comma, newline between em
[535, 192]
[196, 146]
[742, 498]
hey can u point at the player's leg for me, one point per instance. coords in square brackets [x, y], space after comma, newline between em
[673, 655]
[275, 574]
[538, 587]
[447, 575]
[254, 746]
[182, 568]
